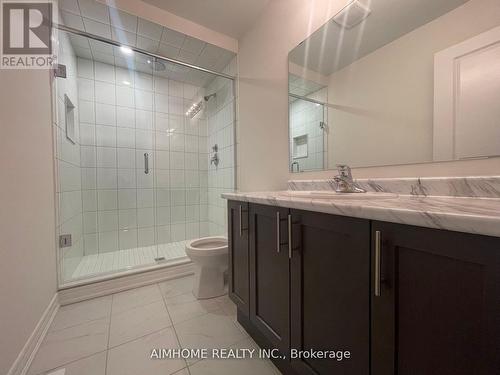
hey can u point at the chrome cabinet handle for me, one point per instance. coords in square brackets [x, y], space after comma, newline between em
[290, 236]
[377, 263]
[278, 235]
[146, 163]
[241, 225]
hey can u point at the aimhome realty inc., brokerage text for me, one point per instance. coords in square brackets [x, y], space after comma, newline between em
[243, 353]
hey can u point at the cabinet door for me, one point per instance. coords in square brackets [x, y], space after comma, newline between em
[438, 310]
[239, 278]
[269, 274]
[330, 286]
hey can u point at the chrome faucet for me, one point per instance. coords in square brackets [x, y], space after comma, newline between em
[344, 181]
[295, 163]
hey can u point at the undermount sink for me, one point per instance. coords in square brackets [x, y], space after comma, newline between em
[327, 194]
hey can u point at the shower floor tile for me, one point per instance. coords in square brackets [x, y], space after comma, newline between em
[95, 264]
[122, 329]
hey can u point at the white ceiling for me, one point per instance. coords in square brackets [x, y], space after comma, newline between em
[331, 48]
[230, 17]
[99, 19]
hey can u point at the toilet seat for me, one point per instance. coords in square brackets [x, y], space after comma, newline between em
[210, 258]
[208, 246]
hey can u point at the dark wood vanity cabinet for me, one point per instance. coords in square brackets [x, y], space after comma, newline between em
[270, 274]
[330, 286]
[238, 275]
[438, 307]
[403, 300]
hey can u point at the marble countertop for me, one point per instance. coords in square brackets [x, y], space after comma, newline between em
[462, 214]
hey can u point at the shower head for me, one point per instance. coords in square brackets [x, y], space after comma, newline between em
[158, 66]
[194, 109]
[207, 98]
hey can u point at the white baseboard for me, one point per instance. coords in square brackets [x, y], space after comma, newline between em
[119, 284]
[25, 357]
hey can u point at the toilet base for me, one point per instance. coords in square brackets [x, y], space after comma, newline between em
[208, 282]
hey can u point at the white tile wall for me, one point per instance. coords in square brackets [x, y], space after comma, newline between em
[220, 131]
[305, 118]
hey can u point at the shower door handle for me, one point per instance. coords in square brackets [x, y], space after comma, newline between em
[146, 163]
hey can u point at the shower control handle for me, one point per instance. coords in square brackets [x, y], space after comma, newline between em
[146, 163]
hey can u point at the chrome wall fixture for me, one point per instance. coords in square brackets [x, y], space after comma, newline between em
[194, 109]
[215, 157]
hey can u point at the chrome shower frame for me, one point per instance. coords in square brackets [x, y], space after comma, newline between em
[139, 50]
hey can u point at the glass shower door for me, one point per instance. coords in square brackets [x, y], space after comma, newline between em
[177, 160]
[143, 150]
[194, 126]
[104, 158]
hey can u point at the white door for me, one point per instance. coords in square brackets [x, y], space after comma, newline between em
[467, 98]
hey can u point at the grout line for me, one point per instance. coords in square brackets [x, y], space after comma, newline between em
[45, 372]
[109, 334]
[173, 326]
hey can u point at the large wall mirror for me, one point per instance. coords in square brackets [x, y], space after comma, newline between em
[388, 82]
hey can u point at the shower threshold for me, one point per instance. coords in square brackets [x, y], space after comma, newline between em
[121, 260]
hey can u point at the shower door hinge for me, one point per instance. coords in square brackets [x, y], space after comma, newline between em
[65, 240]
[59, 70]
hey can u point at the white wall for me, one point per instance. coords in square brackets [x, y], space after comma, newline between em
[390, 92]
[27, 218]
[262, 126]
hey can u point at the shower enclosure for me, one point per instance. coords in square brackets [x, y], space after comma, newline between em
[136, 135]
[308, 124]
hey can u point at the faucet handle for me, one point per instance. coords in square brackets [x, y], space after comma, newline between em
[344, 171]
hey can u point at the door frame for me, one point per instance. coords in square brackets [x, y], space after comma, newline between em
[446, 76]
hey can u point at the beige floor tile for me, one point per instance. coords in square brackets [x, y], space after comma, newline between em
[137, 322]
[232, 367]
[93, 365]
[248, 366]
[135, 297]
[175, 287]
[133, 358]
[81, 312]
[228, 306]
[212, 330]
[185, 306]
[68, 345]
[184, 371]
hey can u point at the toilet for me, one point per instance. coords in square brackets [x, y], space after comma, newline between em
[210, 258]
